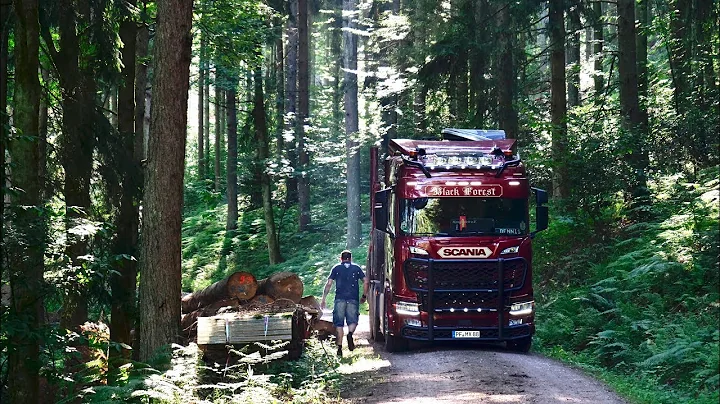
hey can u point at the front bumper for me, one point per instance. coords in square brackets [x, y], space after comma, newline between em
[467, 295]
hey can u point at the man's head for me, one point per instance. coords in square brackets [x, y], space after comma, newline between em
[346, 256]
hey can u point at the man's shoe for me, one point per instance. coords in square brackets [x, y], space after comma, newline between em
[351, 343]
[339, 352]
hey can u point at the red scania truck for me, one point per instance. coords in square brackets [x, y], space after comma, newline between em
[450, 254]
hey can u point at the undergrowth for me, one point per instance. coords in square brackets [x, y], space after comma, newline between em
[638, 304]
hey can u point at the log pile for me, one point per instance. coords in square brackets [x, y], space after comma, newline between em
[242, 293]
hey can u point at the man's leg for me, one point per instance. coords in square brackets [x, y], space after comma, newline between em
[339, 323]
[353, 316]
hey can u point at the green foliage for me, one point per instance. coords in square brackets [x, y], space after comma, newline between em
[641, 305]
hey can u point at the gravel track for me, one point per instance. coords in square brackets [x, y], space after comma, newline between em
[467, 373]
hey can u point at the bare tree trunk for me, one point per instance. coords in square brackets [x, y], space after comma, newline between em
[279, 70]
[201, 110]
[478, 65]
[6, 13]
[291, 59]
[43, 133]
[558, 108]
[79, 109]
[573, 55]
[206, 112]
[642, 57]
[632, 116]
[598, 40]
[163, 200]
[303, 115]
[352, 124]
[232, 192]
[263, 154]
[123, 283]
[141, 78]
[508, 118]
[336, 36]
[218, 128]
[27, 244]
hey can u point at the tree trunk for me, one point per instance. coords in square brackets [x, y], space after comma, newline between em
[218, 129]
[279, 70]
[642, 57]
[598, 41]
[6, 10]
[239, 285]
[336, 37]
[263, 154]
[679, 52]
[43, 140]
[141, 77]
[632, 116]
[352, 124]
[506, 73]
[123, 283]
[291, 59]
[160, 263]
[281, 285]
[478, 65]
[303, 114]
[79, 109]
[232, 191]
[201, 110]
[206, 112]
[558, 108]
[28, 227]
[573, 55]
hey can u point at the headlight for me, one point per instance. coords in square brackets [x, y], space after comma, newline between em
[418, 251]
[521, 309]
[407, 308]
[510, 250]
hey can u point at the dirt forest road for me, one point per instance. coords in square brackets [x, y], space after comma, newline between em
[466, 374]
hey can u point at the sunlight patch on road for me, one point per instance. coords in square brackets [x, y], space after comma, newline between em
[363, 364]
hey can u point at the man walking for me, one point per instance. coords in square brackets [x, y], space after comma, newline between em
[346, 308]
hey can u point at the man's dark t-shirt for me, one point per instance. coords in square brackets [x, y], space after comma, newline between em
[346, 278]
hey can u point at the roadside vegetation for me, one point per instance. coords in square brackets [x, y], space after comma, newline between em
[637, 304]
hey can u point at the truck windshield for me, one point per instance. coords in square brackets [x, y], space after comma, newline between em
[463, 216]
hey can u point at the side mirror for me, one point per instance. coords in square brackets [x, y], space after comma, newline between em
[541, 196]
[541, 211]
[381, 210]
[541, 218]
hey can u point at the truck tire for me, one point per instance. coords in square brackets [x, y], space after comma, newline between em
[520, 345]
[393, 343]
[374, 317]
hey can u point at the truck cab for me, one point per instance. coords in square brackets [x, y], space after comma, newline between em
[450, 255]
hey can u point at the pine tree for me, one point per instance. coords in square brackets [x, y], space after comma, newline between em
[163, 197]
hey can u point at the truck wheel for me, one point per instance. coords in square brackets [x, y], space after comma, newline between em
[373, 315]
[393, 343]
[520, 345]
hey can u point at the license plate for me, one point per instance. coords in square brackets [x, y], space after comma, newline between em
[466, 334]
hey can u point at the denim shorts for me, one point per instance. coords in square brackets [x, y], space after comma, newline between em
[345, 310]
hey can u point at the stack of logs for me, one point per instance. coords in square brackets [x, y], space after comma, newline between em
[241, 292]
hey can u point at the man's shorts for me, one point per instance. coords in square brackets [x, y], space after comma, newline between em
[345, 310]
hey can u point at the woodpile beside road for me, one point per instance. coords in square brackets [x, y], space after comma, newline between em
[243, 294]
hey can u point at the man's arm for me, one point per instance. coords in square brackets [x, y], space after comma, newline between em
[366, 287]
[328, 285]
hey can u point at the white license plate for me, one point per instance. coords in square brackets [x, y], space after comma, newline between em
[466, 334]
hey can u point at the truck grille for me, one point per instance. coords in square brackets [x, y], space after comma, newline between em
[465, 275]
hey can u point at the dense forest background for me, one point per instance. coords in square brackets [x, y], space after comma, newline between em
[153, 147]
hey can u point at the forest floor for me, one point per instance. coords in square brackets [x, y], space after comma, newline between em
[469, 373]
